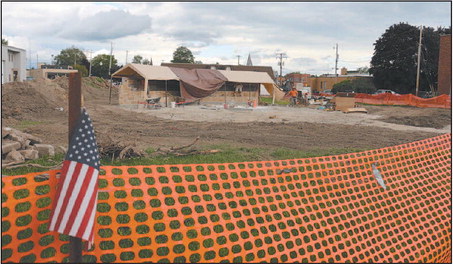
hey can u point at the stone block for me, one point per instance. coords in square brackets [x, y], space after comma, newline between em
[29, 154]
[7, 147]
[60, 150]
[14, 156]
[45, 150]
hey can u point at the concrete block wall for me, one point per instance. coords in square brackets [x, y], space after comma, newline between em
[128, 95]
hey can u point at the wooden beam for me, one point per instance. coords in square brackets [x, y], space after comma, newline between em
[75, 104]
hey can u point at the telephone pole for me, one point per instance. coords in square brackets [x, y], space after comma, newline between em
[336, 59]
[280, 57]
[110, 67]
[239, 56]
[418, 61]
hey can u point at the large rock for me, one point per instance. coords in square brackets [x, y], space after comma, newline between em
[29, 154]
[20, 139]
[17, 135]
[14, 156]
[45, 150]
[60, 150]
[6, 131]
[7, 147]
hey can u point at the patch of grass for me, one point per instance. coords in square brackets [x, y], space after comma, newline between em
[227, 154]
[268, 100]
[27, 123]
[285, 153]
[44, 161]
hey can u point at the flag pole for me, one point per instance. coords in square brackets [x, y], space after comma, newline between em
[75, 103]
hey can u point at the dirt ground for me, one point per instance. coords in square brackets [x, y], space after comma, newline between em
[39, 108]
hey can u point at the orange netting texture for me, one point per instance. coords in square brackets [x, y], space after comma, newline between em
[324, 209]
[442, 101]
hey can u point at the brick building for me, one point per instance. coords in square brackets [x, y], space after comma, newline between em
[294, 78]
[444, 69]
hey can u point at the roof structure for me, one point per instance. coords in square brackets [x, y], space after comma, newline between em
[149, 72]
[267, 69]
[247, 76]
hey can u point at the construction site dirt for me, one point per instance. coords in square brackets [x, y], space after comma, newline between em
[40, 108]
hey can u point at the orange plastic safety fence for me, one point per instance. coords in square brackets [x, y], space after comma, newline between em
[442, 101]
[306, 210]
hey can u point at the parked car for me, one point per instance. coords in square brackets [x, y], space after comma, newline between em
[381, 91]
[327, 91]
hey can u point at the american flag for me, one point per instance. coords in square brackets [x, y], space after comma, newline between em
[74, 206]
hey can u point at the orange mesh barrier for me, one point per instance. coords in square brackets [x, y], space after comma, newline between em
[307, 210]
[442, 101]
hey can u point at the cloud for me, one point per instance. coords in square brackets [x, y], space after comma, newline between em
[218, 31]
[107, 25]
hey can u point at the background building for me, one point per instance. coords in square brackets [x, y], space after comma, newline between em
[444, 70]
[13, 64]
[327, 81]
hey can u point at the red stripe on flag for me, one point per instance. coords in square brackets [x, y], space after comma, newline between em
[88, 216]
[63, 172]
[78, 202]
[68, 194]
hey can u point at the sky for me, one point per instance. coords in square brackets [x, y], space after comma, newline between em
[215, 32]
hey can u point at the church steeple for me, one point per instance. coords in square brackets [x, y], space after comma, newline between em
[249, 61]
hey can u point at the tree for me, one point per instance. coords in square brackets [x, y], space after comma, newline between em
[364, 69]
[146, 62]
[4, 41]
[183, 55]
[394, 62]
[137, 59]
[82, 70]
[71, 56]
[100, 66]
[359, 85]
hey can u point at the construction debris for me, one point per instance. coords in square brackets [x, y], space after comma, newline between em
[18, 147]
[184, 151]
[355, 110]
[118, 150]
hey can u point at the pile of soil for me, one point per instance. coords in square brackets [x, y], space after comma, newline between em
[32, 100]
[413, 116]
[93, 89]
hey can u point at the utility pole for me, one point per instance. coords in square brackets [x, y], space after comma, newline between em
[110, 67]
[336, 59]
[111, 52]
[126, 55]
[91, 54]
[280, 57]
[418, 61]
[239, 56]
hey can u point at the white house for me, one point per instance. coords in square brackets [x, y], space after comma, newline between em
[13, 64]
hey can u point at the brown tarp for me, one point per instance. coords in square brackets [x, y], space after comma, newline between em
[198, 83]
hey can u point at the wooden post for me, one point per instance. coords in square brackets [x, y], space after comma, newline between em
[273, 94]
[75, 103]
[225, 93]
[166, 94]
